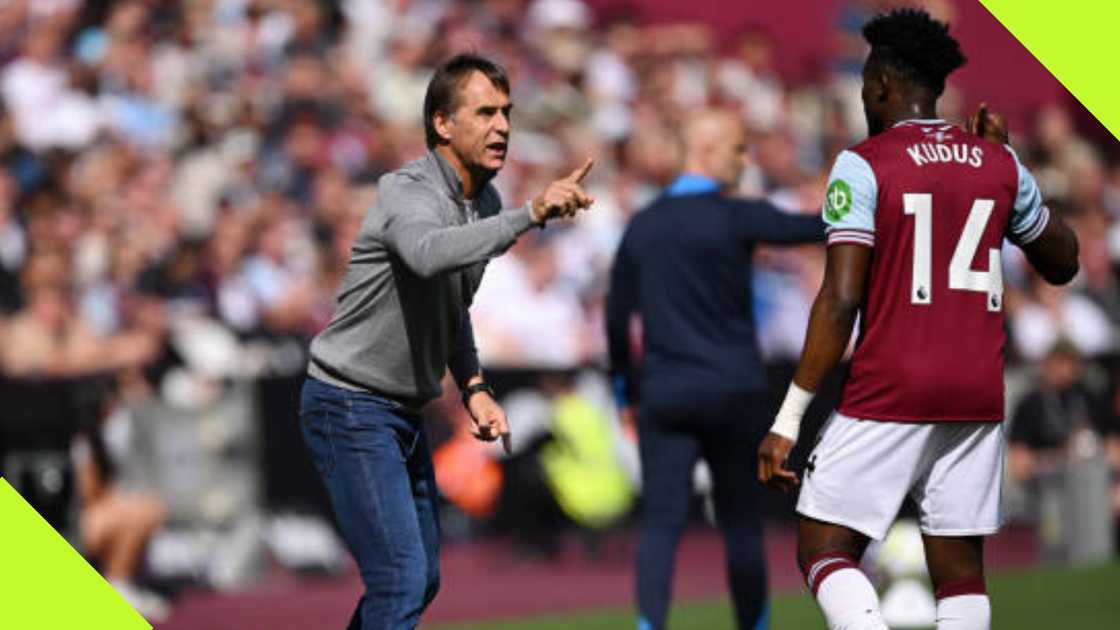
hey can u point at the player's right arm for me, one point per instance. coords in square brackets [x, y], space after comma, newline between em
[849, 212]
[830, 327]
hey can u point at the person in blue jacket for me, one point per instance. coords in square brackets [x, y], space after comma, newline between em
[684, 267]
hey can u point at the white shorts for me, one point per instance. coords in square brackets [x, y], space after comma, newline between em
[861, 470]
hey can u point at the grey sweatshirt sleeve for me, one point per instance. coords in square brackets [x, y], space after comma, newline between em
[464, 359]
[414, 232]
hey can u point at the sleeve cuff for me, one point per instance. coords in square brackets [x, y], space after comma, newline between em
[518, 220]
[850, 236]
[465, 370]
[1035, 230]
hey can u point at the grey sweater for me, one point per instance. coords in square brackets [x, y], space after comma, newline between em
[401, 313]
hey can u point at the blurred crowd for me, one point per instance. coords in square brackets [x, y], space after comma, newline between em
[180, 178]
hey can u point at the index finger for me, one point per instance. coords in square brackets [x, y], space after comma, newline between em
[502, 425]
[581, 172]
[787, 475]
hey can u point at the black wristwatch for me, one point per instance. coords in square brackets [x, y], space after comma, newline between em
[471, 390]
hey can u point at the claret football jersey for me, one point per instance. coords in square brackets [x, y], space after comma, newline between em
[934, 204]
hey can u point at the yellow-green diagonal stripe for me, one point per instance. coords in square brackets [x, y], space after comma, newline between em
[45, 584]
[1076, 41]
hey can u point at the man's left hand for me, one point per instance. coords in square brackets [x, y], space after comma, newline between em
[488, 420]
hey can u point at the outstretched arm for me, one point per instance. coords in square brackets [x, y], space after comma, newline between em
[414, 229]
[762, 222]
[830, 328]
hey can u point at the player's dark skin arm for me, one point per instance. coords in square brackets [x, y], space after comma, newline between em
[1054, 253]
[834, 313]
[830, 328]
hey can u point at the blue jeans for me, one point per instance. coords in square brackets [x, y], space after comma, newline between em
[373, 457]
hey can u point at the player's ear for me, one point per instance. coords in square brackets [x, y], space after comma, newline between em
[442, 121]
[882, 86]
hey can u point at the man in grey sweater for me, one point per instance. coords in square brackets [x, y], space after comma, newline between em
[401, 320]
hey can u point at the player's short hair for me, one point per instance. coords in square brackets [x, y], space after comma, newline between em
[915, 45]
[443, 89]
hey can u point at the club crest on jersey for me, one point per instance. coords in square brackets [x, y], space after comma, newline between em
[837, 201]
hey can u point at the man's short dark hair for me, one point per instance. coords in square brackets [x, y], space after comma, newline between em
[916, 46]
[443, 89]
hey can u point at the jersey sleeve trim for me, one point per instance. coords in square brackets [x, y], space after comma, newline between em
[849, 207]
[1029, 216]
[852, 237]
[1041, 220]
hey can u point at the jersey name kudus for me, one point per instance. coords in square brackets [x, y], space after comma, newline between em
[927, 152]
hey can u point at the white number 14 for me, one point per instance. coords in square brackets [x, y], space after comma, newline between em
[961, 275]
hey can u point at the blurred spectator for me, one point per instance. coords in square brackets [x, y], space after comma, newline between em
[751, 79]
[536, 321]
[13, 245]
[115, 525]
[1065, 442]
[49, 339]
[1058, 312]
[1047, 418]
[581, 464]
[47, 109]
[278, 273]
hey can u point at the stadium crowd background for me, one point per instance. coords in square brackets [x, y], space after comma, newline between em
[180, 182]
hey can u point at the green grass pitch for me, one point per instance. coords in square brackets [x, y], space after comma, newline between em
[1041, 599]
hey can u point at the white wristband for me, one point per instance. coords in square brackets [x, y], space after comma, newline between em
[788, 421]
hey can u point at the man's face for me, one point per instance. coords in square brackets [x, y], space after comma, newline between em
[729, 155]
[478, 129]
